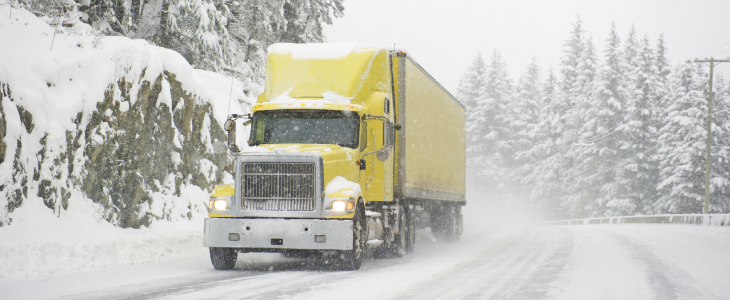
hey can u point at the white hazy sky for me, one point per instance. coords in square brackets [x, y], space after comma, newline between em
[445, 36]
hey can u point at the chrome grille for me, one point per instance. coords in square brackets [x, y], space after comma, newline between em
[278, 186]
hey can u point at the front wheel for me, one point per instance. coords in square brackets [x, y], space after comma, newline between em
[352, 259]
[223, 258]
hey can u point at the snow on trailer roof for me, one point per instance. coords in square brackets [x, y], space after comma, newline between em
[321, 50]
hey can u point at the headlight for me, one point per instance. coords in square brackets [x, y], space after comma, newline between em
[220, 204]
[338, 205]
[342, 205]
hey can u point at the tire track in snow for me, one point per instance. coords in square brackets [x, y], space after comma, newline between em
[521, 267]
[667, 281]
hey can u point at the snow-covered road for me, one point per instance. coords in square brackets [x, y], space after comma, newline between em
[639, 261]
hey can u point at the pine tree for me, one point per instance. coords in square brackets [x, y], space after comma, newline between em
[639, 172]
[493, 115]
[529, 99]
[528, 104]
[200, 27]
[545, 155]
[720, 200]
[472, 87]
[580, 123]
[601, 135]
[304, 19]
[663, 71]
[571, 56]
[682, 143]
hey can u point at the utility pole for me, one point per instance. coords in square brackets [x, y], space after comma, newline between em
[712, 62]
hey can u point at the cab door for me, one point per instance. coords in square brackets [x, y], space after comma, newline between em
[376, 180]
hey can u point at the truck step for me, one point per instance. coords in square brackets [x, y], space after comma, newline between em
[372, 214]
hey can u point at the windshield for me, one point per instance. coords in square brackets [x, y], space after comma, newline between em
[305, 127]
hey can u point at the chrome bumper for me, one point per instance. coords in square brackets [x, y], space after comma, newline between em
[278, 233]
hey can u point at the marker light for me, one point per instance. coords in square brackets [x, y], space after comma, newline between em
[257, 107]
[220, 204]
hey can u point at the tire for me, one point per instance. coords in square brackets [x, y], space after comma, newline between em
[446, 223]
[410, 230]
[352, 259]
[223, 258]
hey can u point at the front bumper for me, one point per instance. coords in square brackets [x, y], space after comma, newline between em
[266, 234]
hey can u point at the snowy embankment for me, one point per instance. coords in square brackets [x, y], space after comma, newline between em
[99, 135]
[708, 220]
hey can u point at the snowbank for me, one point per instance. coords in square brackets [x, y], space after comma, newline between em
[98, 133]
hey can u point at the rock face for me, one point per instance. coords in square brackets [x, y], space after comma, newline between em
[130, 157]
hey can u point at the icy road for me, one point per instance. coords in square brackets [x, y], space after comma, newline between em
[640, 261]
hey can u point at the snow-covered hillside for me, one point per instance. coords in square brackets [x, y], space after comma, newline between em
[100, 134]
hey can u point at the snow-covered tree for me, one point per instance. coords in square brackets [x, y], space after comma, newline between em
[571, 57]
[528, 103]
[492, 117]
[638, 175]
[472, 87]
[547, 163]
[304, 19]
[601, 133]
[682, 145]
[199, 32]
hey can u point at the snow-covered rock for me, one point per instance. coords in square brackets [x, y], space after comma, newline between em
[120, 125]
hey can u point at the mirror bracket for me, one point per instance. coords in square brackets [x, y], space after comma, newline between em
[381, 154]
[230, 127]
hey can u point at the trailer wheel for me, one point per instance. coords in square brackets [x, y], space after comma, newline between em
[352, 259]
[446, 223]
[410, 230]
[223, 258]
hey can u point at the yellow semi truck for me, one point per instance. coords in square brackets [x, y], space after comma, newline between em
[350, 146]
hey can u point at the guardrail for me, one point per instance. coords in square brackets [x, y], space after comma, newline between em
[699, 219]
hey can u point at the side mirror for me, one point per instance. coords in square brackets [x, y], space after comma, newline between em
[229, 125]
[383, 154]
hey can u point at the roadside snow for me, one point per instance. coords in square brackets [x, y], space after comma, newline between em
[40, 243]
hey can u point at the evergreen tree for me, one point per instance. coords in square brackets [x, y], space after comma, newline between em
[639, 172]
[580, 124]
[472, 87]
[493, 115]
[200, 32]
[528, 104]
[601, 133]
[682, 143]
[304, 19]
[571, 56]
[720, 200]
[546, 174]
